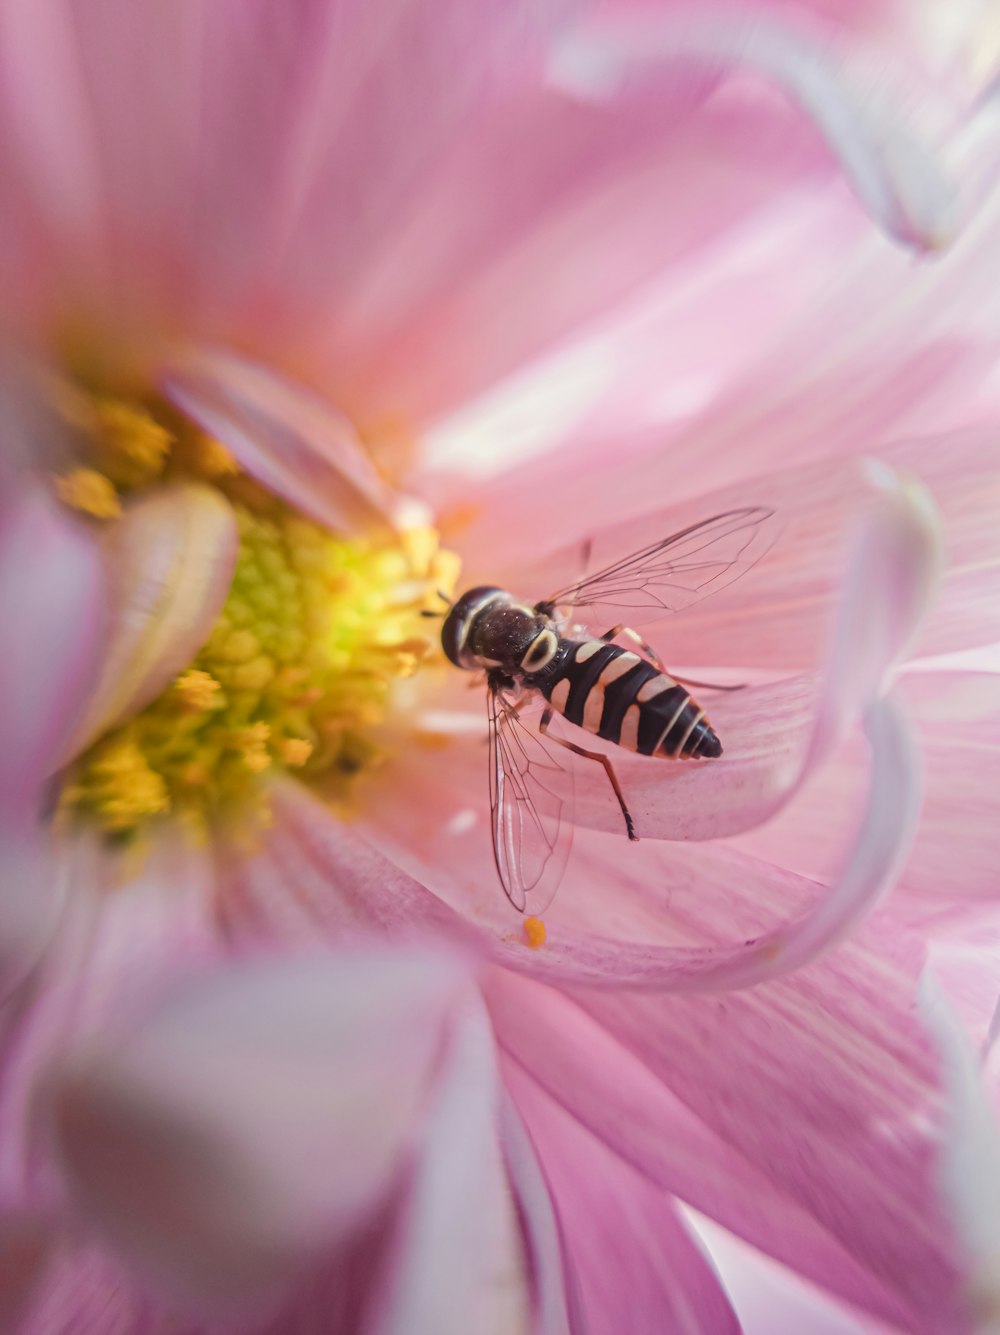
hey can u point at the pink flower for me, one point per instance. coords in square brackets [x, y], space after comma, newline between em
[297, 293]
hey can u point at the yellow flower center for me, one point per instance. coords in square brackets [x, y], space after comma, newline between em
[299, 665]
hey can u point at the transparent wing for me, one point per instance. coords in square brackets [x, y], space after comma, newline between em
[674, 572]
[531, 800]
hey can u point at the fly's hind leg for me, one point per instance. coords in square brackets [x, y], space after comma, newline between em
[543, 728]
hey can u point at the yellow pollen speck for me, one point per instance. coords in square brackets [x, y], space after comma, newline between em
[295, 751]
[251, 743]
[131, 445]
[199, 690]
[121, 790]
[534, 933]
[90, 492]
[210, 458]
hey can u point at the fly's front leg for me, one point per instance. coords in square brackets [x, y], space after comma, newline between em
[543, 728]
[636, 638]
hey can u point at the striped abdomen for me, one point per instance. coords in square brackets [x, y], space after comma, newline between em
[625, 699]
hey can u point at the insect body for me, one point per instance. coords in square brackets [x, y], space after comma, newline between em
[612, 692]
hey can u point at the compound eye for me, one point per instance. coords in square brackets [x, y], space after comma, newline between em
[457, 623]
[452, 635]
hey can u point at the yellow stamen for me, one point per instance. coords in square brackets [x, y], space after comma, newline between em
[295, 751]
[300, 663]
[90, 492]
[210, 458]
[199, 690]
[130, 444]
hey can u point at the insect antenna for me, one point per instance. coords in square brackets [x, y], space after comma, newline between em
[429, 612]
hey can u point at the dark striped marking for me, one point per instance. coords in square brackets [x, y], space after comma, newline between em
[619, 695]
[582, 677]
[664, 720]
[655, 714]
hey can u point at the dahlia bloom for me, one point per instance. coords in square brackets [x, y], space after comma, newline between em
[277, 1053]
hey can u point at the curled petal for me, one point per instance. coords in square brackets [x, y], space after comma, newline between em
[968, 1155]
[894, 572]
[52, 606]
[256, 1117]
[556, 1304]
[777, 735]
[287, 437]
[889, 824]
[897, 180]
[627, 1250]
[171, 559]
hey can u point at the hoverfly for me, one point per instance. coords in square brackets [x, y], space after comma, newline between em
[624, 697]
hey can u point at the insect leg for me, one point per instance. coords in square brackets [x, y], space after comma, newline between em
[709, 685]
[543, 728]
[636, 638]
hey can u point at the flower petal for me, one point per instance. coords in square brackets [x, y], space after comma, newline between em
[254, 1116]
[950, 876]
[572, 955]
[894, 176]
[797, 1114]
[311, 877]
[171, 558]
[26, 1243]
[888, 587]
[968, 1157]
[457, 1264]
[285, 436]
[634, 1261]
[52, 602]
[29, 905]
[557, 1306]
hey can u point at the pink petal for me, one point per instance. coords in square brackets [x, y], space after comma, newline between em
[114, 932]
[572, 955]
[777, 615]
[895, 178]
[52, 603]
[968, 1155]
[312, 877]
[253, 1116]
[29, 906]
[889, 584]
[84, 1290]
[796, 1114]
[890, 580]
[289, 438]
[557, 1306]
[633, 1260]
[25, 1250]
[457, 1265]
[171, 558]
[950, 875]
[769, 1296]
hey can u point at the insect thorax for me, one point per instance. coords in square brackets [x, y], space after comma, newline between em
[487, 628]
